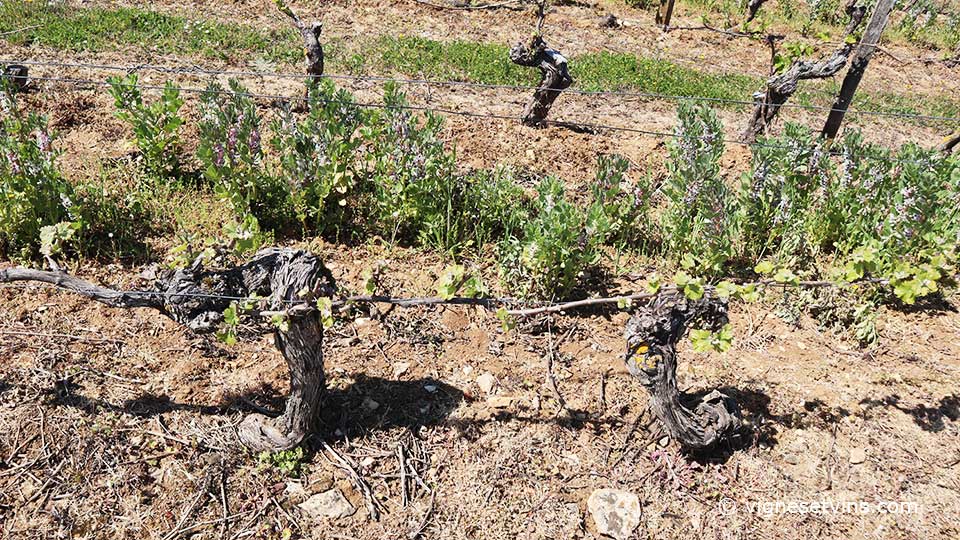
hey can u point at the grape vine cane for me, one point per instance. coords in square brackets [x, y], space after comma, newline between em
[197, 298]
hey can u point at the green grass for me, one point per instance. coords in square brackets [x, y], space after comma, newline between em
[99, 29]
[102, 29]
[488, 63]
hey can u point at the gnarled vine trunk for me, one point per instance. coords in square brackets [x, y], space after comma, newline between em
[313, 49]
[779, 88]
[15, 75]
[554, 77]
[196, 297]
[652, 335]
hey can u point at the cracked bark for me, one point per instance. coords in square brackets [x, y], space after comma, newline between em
[278, 275]
[652, 335]
[780, 88]
[554, 77]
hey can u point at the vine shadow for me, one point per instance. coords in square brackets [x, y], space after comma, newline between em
[930, 419]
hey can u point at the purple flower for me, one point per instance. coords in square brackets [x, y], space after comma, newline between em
[14, 164]
[232, 140]
[639, 196]
[218, 155]
[693, 192]
[254, 142]
[43, 141]
[783, 209]
[759, 181]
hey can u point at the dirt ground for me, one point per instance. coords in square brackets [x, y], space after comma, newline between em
[119, 424]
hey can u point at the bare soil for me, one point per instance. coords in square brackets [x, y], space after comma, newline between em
[116, 424]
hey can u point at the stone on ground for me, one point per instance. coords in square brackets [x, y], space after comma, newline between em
[616, 513]
[327, 505]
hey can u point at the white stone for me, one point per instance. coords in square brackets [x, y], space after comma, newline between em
[400, 368]
[327, 505]
[499, 402]
[486, 382]
[615, 513]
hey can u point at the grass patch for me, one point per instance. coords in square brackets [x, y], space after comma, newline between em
[488, 63]
[101, 29]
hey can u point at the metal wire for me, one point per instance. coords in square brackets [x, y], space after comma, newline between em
[187, 70]
[471, 114]
[162, 294]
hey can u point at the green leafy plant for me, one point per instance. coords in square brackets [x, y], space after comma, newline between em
[557, 243]
[319, 160]
[789, 53]
[289, 462]
[413, 176]
[325, 306]
[705, 340]
[790, 176]
[624, 204]
[455, 279]
[33, 193]
[53, 238]
[691, 287]
[698, 219]
[231, 152]
[155, 125]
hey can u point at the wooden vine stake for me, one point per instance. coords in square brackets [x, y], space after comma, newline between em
[858, 65]
[279, 276]
[554, 76]
[664, 14]
[311, 41]
[652, 335]
[781, 86]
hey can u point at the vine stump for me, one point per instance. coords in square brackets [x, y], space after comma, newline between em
[652, 335]
[197, 297]
[554, 77]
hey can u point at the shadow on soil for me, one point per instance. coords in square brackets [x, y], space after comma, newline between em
[928, 418]
[369, 403]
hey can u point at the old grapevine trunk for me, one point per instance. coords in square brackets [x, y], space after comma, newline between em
[287, 280]
[554, 77]
[652, 335]
[781, 87]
